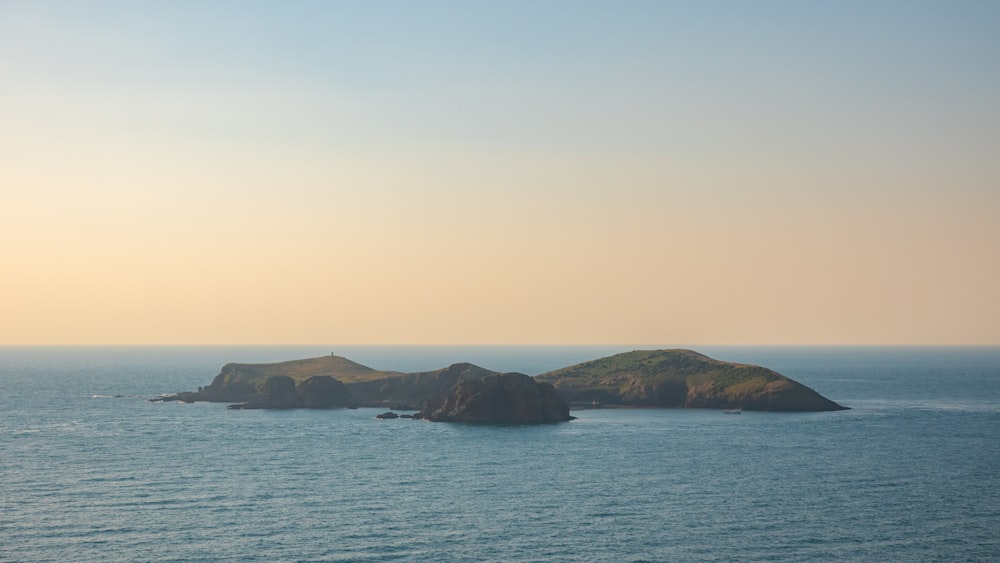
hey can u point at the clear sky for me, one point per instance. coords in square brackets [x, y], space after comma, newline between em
[516, 172]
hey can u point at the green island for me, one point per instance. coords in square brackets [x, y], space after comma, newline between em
[467, 392]
[682, 379]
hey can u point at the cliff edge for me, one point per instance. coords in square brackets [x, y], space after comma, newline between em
[509, 398]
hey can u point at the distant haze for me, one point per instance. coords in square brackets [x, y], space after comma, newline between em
[543, 172]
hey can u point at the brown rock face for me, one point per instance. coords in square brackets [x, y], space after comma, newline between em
[402, 390]
[324, 392]
[230, 386]
[509, 398]
[279, 392]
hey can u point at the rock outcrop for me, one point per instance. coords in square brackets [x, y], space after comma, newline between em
[509, 398]
[317, 392]
[279, 392]
[410, 391]
[324, 392]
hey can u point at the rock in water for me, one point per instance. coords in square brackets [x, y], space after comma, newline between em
[509, 398]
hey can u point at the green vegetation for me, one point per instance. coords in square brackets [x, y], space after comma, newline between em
[681, 378]
[367, 386]
[643, 378]
[342, 369]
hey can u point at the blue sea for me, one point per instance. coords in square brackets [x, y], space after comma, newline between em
[92, 471]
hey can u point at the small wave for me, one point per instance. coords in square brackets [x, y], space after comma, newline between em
[966, 406]
[886, 405]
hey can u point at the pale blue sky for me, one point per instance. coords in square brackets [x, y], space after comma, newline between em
[706, 172]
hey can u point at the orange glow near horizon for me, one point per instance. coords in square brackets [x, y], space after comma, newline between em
[439, 189]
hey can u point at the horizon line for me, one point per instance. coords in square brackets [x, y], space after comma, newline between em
[492, 345]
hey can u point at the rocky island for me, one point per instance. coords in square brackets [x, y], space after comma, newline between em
[682, 379]
[464, 392]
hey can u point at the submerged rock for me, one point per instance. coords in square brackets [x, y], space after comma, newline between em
[509, 398]
[184, 396]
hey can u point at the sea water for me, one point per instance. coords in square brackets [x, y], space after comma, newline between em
[92, 471]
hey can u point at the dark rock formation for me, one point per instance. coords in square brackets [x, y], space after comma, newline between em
[230, 385]
[324, 392]
[277, 398]
[682, 378]
[279, 392]
[509, 398]
[387, 415]
[184, 396]
[402, 391]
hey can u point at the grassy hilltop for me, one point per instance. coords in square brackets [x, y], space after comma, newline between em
[344, 370]
[682, 378]
[368, 386]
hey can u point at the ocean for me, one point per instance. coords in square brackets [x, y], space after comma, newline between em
[92, 471]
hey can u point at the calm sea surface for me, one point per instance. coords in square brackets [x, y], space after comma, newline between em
[92, 471]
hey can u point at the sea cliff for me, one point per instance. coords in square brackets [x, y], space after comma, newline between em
[508, 398]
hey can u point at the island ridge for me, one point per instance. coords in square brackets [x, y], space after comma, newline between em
[642, 378]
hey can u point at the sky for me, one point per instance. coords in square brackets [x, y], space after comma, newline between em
[518, 172]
